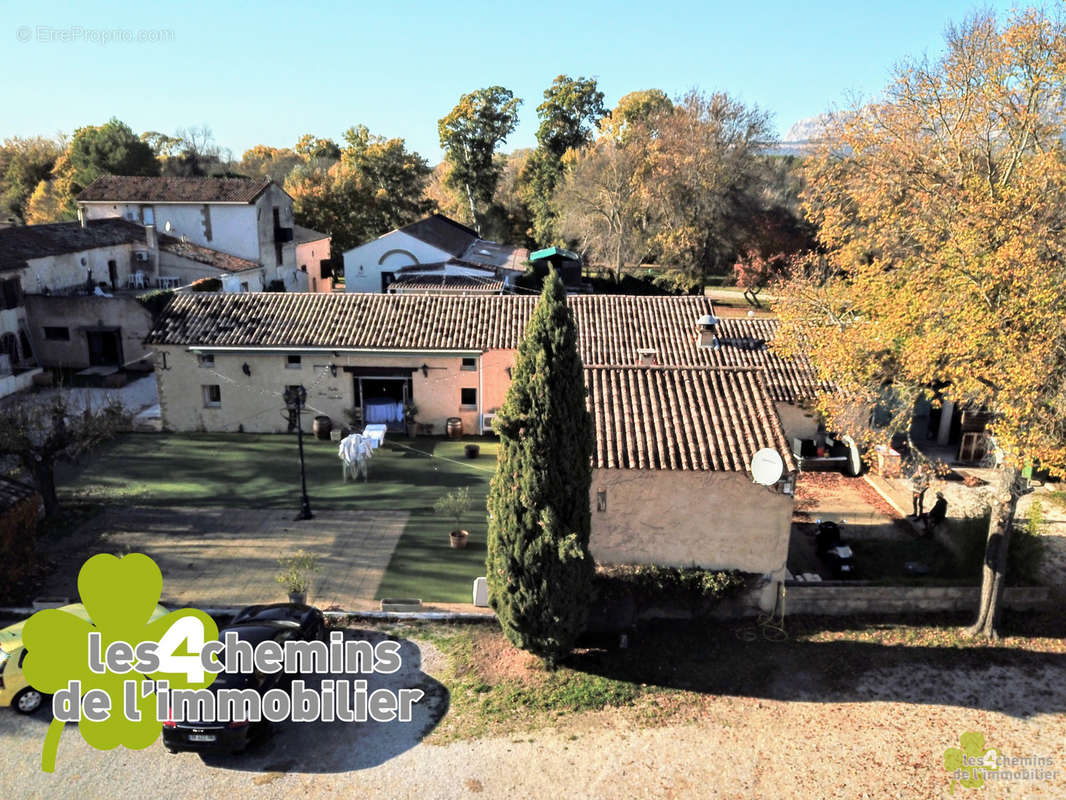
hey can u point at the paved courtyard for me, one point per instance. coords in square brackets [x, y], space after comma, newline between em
[229, 557]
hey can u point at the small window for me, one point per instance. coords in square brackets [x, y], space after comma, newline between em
[293, 362]
[601, 500]
[470, 364]
[56, 333]
[244, 286]
[11, 291]
[468, 397]
[212, 396]
[207, 359]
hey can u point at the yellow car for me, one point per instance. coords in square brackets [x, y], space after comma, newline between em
[14, 690]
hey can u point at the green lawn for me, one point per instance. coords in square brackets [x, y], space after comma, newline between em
[257, 471]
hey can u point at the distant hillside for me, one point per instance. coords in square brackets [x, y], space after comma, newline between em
[800, 138]
[807, 129]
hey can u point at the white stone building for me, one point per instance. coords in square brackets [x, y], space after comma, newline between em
[243, 217]
[435, 245]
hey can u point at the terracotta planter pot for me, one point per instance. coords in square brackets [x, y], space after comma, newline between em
[321, 427]
[458, 539]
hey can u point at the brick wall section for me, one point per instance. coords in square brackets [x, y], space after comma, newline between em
[839, 600]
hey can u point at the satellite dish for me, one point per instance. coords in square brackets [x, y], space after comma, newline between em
[767, 467]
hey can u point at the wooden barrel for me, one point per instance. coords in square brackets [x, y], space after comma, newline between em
[322, 426]
[455, 428]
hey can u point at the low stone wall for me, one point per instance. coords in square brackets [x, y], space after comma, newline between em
[864, 599]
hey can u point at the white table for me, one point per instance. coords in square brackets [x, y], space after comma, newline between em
[376, 433]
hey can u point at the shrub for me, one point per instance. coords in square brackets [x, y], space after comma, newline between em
[296, 571]
[648, 585]
[155, 300]
[454, 504]
[18, 534]
[206, 285]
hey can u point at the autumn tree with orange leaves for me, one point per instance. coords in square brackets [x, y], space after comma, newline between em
[942, 213]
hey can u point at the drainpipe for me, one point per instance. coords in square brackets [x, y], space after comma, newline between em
[480, 399]
[152, 242]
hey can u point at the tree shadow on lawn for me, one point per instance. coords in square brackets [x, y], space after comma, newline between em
[263, 471]
[716, 658]
[323, 747]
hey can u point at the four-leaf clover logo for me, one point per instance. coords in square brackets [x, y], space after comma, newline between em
[121, 597]
[971, 761]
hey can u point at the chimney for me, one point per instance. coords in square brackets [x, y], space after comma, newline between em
[647, 356]
[707, 332]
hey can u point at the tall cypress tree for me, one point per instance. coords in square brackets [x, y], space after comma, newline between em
[538, 564]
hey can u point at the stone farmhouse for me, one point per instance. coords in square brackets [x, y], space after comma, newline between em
[448, 355]
[250, 219]
[679, 408]
[67, 292]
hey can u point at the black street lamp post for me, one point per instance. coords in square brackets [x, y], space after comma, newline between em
[295, 398]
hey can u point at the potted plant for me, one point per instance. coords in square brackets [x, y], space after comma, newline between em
[295, 574]
[410, 411]
[455, 504]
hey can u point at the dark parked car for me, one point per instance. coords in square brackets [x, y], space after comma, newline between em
[281, 622]
[311, 624]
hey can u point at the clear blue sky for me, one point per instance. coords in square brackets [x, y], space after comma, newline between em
[270, 71]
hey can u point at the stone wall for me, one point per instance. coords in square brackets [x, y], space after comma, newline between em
[860, 599]
[254, 401]
[684, 518]
[80, 314]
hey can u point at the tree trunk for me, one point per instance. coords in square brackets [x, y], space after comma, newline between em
[473, 208]
[44, 478]
[994, 571]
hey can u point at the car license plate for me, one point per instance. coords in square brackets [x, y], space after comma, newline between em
[201, 737]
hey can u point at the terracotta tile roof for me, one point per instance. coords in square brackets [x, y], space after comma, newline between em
[682, 418]
[446, 284]
[133, 189]
[20, 243]
[205, 255]
[612, 328]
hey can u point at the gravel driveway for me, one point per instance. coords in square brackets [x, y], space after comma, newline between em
[735, 747]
